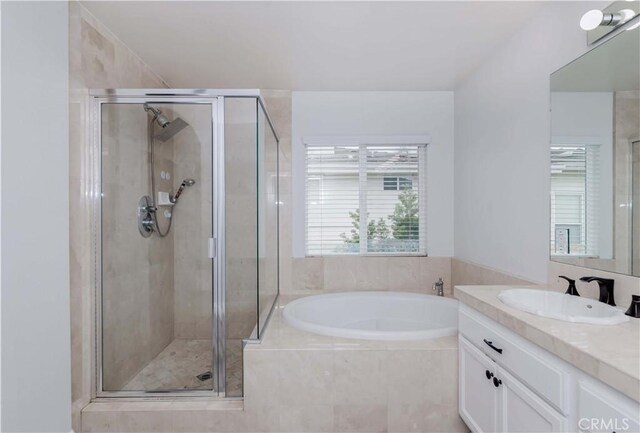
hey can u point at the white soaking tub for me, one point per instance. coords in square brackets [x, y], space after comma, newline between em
[375, 315]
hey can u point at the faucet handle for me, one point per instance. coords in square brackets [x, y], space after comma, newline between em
[439, 286]
[571, 289]
[634, 308]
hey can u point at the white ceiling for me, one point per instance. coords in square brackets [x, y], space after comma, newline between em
[313, 45]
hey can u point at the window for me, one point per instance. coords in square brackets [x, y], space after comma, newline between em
[397, 183]
[365, 199]
[575, 172]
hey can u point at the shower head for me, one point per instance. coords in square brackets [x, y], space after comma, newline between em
[183, 185]
[169, 128]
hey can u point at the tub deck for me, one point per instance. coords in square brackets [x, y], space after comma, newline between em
[331, 384]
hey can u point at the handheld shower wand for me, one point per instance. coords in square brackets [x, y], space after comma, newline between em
[185, 183]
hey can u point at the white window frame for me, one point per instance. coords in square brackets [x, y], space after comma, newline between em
[591, 199]
[376, 140]
[397, 182]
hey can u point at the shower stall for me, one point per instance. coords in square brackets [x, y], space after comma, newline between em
[185, 236]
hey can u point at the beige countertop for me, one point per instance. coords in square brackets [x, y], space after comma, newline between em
[609, 353]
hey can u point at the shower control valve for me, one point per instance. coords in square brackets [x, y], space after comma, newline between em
[146, 211]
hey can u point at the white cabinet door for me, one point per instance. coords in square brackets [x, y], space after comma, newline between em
[478, 398]
[523, 411]
[603, 410]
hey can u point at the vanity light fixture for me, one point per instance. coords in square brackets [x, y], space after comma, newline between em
[595, 18]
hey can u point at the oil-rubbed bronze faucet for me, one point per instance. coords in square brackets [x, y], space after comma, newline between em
[606, 289]
[571, 290]
[634, 308]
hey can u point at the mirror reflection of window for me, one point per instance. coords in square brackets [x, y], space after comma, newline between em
[575, 200]
[595, 121]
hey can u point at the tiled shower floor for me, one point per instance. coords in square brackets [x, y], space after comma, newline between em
[176, 368]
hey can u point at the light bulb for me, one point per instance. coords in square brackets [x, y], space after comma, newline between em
[591, 20]
[627, 14]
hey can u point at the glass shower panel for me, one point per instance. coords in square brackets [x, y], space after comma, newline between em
[241, 234]
[156, 298]
[268, 208]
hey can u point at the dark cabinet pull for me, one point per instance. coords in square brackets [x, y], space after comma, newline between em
[488, 374]
[490, 344]
[497, 382]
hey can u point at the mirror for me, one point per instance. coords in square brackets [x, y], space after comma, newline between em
[595, 158]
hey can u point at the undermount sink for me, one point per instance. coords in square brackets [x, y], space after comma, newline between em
[556, 305]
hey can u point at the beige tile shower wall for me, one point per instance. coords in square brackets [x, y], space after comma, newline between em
[268, 217]
[241, 217]
[137, 272]
[96, 60]
[241, 223]
[192, 223]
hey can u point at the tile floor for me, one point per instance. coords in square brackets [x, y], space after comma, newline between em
[176, 368]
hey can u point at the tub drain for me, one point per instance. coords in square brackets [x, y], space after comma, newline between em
[204, 376]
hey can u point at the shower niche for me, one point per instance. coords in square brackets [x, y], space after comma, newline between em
[185, 238]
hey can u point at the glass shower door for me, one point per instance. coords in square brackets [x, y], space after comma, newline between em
[156, 298]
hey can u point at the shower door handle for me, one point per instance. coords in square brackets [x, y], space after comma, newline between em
[213, 248]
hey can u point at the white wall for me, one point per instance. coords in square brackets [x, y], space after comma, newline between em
[502, 144]
[381, 113]
[36, 388]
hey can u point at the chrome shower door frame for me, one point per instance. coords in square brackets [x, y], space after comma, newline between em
[159, 96]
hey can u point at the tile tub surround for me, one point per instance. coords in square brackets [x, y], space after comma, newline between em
[348, 273]
[463, 273]
[297, 381]
[608, 353]
[321, 383]
[410, 274]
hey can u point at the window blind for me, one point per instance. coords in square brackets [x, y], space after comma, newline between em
[365, 199]
[575, 196]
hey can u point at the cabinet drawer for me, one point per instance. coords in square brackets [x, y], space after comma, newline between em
[604, 410]
[517, 356]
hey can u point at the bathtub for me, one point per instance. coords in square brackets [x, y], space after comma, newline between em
[375, 315]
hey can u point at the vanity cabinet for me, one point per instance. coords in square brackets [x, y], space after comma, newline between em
[523, 411]
[601, 411]
[508, 384]
[478, 396]
[492, 400]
